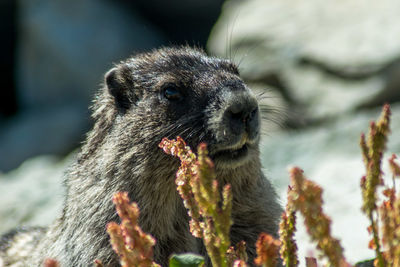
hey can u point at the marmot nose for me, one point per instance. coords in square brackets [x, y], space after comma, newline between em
[242, 116]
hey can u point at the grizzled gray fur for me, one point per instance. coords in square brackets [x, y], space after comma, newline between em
[163, 93]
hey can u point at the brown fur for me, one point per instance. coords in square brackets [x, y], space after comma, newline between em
[131, 115]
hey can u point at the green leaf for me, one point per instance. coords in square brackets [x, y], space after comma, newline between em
[186, 260]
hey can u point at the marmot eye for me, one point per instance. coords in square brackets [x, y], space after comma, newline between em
[172, 93]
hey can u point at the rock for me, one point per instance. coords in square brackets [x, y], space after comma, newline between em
[182, 21]
[64, 49]
[47, 130]
[327, 58]
[330, 155]
[33, 193]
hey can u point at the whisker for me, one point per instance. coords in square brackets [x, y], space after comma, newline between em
[182, 126]
[250, 49]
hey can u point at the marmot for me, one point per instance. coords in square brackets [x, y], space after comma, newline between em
[168, 92]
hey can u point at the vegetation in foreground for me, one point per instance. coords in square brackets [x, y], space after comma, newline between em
[210, 213]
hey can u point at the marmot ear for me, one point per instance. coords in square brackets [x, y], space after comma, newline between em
[120, 85]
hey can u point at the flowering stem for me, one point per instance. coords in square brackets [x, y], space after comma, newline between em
[381, 262]
[287, 228]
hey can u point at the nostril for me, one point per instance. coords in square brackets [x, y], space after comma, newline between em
[250, 115]
[253, 113]
[236, 119]
[237, 115]
[252, 123]
[242, 116]
[236, 111]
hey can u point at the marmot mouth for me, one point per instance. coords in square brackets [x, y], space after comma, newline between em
[231, 156]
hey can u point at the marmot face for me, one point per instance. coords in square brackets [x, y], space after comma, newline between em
[184, 92]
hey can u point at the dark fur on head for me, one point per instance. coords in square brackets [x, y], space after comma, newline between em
[163, 93]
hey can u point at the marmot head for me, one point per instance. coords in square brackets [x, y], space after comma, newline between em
[182, 92]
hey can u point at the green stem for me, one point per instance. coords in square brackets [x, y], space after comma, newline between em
[381, 262]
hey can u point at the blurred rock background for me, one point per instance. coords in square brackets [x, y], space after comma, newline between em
[326, 69]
